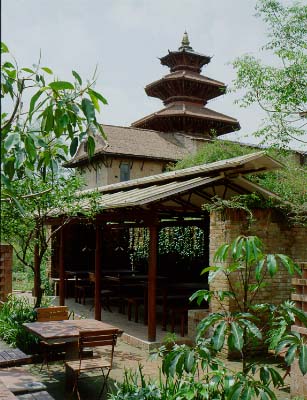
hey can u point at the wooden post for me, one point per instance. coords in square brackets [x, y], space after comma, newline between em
[61, 269]
[152, 281]
[98, 273]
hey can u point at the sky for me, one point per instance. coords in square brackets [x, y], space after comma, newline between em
[125, 38]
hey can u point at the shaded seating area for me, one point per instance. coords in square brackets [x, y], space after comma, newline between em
[171, 199]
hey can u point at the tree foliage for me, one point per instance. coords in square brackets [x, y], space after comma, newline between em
[24, 226]
[46, 119]
[279, 89]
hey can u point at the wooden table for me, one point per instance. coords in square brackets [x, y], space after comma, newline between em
[67, 331]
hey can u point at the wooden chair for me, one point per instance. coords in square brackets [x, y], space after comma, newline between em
[45, 314]
[56, 313]
[90, 339]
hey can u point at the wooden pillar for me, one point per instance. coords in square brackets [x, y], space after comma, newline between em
[152, 281]
[98, 272]
[61, 269]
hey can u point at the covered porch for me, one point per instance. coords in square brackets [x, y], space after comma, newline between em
[172, 199]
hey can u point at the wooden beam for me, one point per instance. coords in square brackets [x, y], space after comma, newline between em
[186, 205]
[152, 281]
[98, 277]
[61, 268]
[203, 195]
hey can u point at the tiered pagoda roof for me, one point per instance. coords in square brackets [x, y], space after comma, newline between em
[185, 92]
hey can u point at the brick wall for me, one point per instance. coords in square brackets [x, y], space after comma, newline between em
[278, 237]
[6, 263]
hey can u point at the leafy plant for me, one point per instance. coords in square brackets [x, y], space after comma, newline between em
[13, 313]
[196, 372]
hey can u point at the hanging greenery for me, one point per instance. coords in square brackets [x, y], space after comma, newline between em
[185, 243]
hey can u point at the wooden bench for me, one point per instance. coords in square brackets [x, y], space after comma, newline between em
[13, 357]
[20, 381]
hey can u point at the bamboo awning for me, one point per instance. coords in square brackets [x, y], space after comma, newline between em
[182, 190]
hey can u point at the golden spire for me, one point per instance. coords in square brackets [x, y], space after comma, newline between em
[185, 43]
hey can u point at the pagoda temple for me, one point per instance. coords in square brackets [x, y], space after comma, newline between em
[185, 93]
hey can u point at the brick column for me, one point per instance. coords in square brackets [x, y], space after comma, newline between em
[6, 264]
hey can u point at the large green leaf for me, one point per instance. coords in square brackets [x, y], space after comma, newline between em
[88, 109]
[90, 146]
[302, 361]
[289, 358]
[73, 146]
[189, 360]
[252, 328]
[201, 295]
[276, 377]
[259, 267]
[77, 76]
[48, 70]
[28, 70]
[98, 96]
[248, 393]
[11, 140]
[222, 252]
[289, 264]
[94, 100]
[33, 102]
[4, 48]
[205, 323]
[236, 336]
[264, 374]
[61, 85]
[218, 337]
[9, 167]
[30, 147]
[271, 264]
[236, 390]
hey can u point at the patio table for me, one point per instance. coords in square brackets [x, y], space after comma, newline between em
[67, 331]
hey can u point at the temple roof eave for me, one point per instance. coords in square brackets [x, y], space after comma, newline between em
[192, 111]
[203, 59]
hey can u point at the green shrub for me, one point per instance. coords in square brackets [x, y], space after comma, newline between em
[14, 312]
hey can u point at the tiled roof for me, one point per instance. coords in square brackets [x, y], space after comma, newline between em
[133, 142]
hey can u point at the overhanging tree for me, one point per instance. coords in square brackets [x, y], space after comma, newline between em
[279, 89]
[36, 137]
[39, 134]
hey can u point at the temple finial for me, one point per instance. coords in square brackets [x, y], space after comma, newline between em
[185, 43]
